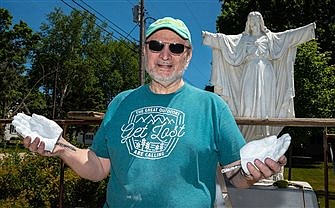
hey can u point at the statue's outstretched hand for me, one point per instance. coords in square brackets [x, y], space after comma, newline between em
[38, 126]
[268, 147]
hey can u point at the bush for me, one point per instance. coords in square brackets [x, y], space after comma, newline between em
[29, 180]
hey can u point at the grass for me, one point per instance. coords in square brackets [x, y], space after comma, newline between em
[313, 173]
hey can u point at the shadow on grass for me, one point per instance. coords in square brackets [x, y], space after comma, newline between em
[305, 162]
[331, 195]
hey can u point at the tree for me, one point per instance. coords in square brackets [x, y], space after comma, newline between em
[86, 67]
[16, 43]
[315, 83]
[315, 91]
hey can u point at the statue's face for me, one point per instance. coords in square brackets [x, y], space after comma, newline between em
[254, 24]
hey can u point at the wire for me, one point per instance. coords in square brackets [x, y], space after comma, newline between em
[128, 34]
[101, 20]
[104, 29]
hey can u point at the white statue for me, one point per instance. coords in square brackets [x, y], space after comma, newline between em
[254, 73]
[38, 126]
[268, 147]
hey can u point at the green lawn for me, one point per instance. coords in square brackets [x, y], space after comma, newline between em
[313, 174]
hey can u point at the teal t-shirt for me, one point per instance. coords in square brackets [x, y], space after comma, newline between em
[164, 149]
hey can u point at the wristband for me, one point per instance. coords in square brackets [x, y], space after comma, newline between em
[66, 146]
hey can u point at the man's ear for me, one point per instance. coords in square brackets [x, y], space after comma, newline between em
[189, 56]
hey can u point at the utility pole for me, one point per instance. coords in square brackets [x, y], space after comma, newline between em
[142, 44]
[138, 17]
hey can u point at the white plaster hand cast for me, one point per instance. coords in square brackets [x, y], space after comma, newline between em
[38, 126]
[268, 147]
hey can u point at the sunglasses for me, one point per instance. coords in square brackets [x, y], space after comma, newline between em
[175, 48]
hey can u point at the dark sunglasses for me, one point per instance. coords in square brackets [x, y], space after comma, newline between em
[175, 48]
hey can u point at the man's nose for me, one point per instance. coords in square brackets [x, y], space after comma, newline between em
[165, 53]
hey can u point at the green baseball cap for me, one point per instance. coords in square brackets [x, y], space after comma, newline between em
[175, 25]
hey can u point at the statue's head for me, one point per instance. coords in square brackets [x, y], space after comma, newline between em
[255, 19]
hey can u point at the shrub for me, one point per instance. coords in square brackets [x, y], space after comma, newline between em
[29, 180]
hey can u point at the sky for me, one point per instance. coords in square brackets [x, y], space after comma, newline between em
[198, 15]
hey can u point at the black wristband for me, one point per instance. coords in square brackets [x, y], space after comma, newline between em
[66, 146]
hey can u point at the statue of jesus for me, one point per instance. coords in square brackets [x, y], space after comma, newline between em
[254, 71]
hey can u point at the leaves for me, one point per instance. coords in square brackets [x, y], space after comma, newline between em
[314, 83]
[16, 44]
[30, 180]
[87, 68]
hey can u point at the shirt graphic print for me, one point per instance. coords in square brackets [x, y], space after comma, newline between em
[153, 132]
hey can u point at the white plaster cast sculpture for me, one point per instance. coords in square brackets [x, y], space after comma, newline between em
[38, 126]
[268, 147]
[254, 72]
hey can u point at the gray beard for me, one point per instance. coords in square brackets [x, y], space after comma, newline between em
[166, 80]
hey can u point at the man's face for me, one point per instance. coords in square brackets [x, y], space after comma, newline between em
[164, 66]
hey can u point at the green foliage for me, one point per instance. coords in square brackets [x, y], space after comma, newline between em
[16, 43]
[85, 67]
[314, 83]
[73, 65]
[233, 17]
[28, 177]
[28, 180]
[83, 193]
[314, 89]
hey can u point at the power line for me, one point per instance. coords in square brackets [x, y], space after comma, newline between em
[101, 20]
[128, 34]
[102, 28]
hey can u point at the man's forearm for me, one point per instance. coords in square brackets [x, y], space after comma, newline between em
[83, 161]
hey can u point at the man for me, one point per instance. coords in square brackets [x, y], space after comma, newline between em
[161, 143]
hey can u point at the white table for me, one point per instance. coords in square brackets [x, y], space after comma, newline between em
[266, 195]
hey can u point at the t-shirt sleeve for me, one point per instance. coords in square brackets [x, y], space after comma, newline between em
[99, 144]
[230, 139]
